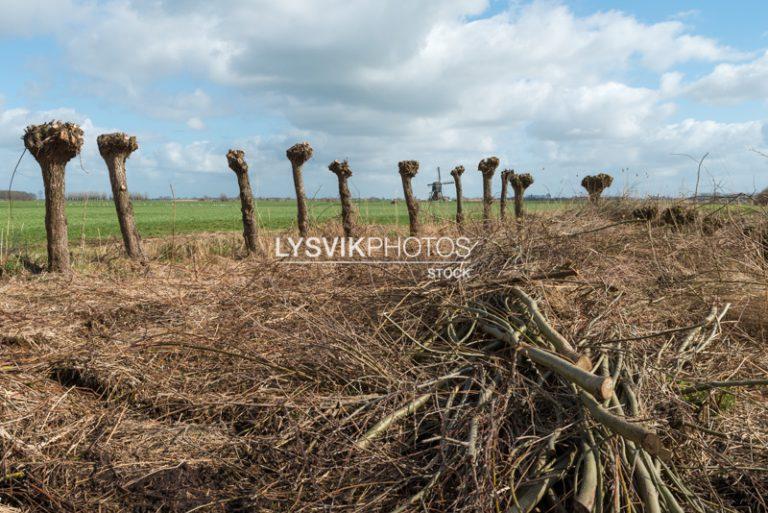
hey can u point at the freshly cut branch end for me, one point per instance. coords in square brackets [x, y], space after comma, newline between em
[488, 166]
[54, 140]
[340, 169]
[118, 143]
[520, 181]
[457, 171]
[236, 161]
[299, 153]
[596, 184]
[408, 168]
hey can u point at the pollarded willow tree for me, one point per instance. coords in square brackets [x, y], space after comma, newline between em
[115, 149]
[520, 182]
[487, 167]
[298, 154]
[408, 169]
[342, 171]
[596, 184]
[456, 174]
[505, 175]
[53, 144]
[237, 163]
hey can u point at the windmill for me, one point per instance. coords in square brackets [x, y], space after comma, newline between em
[437, 188]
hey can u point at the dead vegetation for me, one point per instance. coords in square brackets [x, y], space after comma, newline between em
[220, 384]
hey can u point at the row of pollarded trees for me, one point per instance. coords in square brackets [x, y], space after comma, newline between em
[55, 143]
[520, 182]
[300, 153]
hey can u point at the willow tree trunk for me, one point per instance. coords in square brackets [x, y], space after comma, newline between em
[343, 172]
[124, 207]
[115, 150]
[487, 199]
[56, 217]
[408, 169]
[237, 163]
[488, 167]
[54, 144]
[459, 201]
[250, 229]
[301, 200]
[298, 154]
[413, 207]
[520, 182]
[519, 212]
[503, 198]
[346, 207]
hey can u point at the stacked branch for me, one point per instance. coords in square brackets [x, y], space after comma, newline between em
[583, 439]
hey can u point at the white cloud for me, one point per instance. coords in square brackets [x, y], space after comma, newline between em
[13, 121]
[196, 157]
[683, 15]
[32, 17]
[381, 81]
[195, 123]
[733, 83]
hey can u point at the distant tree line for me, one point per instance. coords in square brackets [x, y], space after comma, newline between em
[101, 196]
[17, 195]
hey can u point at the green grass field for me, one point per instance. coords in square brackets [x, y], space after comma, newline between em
[96, 220]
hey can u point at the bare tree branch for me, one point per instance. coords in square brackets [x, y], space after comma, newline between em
[698, 170]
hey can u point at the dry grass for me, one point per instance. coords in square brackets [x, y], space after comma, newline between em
[211, 383]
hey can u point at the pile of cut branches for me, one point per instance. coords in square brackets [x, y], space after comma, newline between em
[524, 420]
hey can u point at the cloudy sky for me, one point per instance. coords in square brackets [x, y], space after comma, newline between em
[560, 89]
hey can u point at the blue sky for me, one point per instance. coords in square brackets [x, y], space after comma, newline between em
[559, 89]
